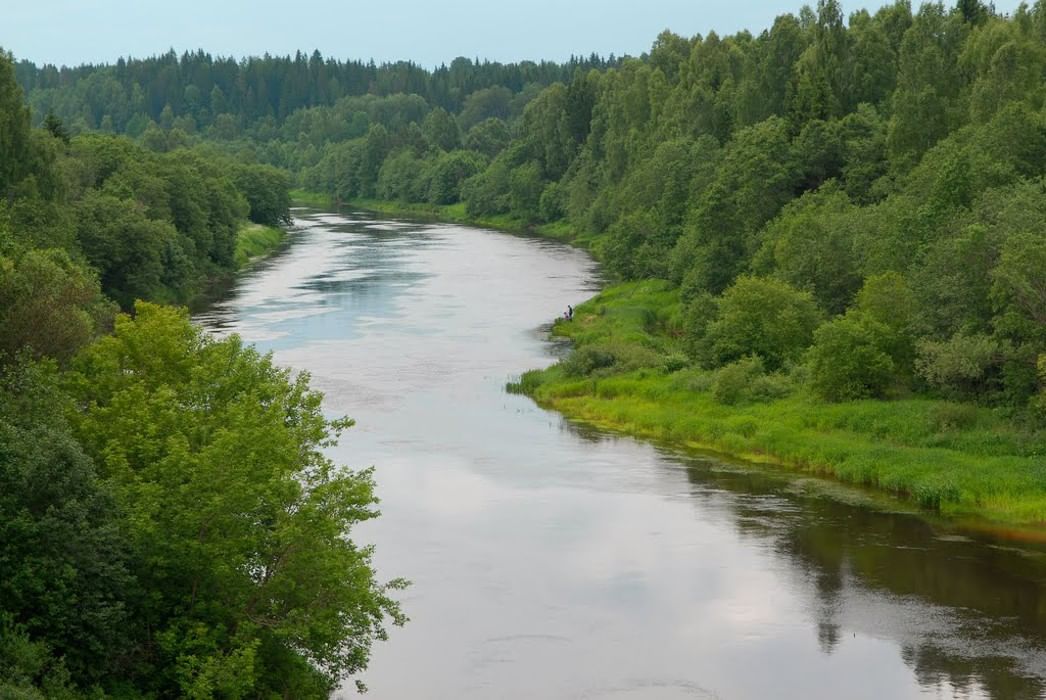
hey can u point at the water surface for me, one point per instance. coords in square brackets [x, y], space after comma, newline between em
[553, 561]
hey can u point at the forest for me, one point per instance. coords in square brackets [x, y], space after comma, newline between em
[876, 179]
[827, 243]
[168, 520]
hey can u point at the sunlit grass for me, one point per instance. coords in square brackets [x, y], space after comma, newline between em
[254, 241]
[309, 198]
[958, 459]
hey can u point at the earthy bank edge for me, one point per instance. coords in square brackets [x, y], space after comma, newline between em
[962, 461]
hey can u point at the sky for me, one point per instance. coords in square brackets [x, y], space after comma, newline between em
[428, 32]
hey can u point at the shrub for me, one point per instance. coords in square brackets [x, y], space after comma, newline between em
[763, 317]
[583, 361]
[674, 362]
[695, 380]
[966, 364]
[953, 416]
[848, 360]
[733, 382]
[770, 387]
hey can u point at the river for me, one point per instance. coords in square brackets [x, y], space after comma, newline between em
[550, 560]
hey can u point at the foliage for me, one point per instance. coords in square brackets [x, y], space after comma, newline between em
[761, 317]
[49, 305]
[64, 552]
[745, 381]
[849, 359]
[963, 365]
[214, 456]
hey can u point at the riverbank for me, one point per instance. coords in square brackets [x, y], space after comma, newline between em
[627, 373]
[452, 213]
[255, 242]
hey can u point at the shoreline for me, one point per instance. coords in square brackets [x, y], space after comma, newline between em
[870, 444]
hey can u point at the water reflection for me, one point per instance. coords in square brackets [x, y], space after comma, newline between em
[552, 560]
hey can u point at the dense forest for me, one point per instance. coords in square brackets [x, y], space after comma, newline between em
[874, 183]
[169, 526]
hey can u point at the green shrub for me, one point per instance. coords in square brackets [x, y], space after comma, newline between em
[964, 365]
[733, 382]
[583, 361]
[673, 362]
[697, 381]
[763, 317]
[1038, 403]
[848, 359]
[770, 387]
[948, 416]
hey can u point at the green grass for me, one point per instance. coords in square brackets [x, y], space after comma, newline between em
[960, 460]
[312, 199]
[455, 213]
[254, 241]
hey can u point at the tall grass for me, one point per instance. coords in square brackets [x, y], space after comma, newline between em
[254, 241]
[956, 459]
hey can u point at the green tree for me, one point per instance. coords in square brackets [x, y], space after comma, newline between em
[441, 130]
[215, 458]
[14, 129]
[66, 560]
[49, 306]
[762, 317]
[849, 360]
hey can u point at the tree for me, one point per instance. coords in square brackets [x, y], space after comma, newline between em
[215, 458]
[811, 247]
[49, 306]
[488, 137]
[762, 317]
[848, 359]
[66, 561]
[14, 129]
[441, 130]
[267, 190]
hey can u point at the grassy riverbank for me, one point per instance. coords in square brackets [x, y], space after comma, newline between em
[628, 373]
[255, 241]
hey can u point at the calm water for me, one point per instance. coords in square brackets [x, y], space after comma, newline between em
[553, 561]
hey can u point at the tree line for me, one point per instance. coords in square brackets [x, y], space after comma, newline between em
[860, 196]
[169, 524]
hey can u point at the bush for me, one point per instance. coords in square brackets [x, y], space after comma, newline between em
[583, 361]
[763, 317]
[674, 362]
[1038, 403]
[733, 382]
[945, 417]
[694, 380]
[848, 359]
[964, 365]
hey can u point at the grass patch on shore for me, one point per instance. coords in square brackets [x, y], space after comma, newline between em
[453, 213]
[627, 373]
[254, 241]
[311, 199]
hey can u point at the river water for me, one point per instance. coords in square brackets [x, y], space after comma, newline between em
[549, 560]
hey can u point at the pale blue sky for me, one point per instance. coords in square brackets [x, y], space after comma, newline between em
[428, 32]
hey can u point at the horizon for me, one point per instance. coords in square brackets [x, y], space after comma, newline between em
[67, 34]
